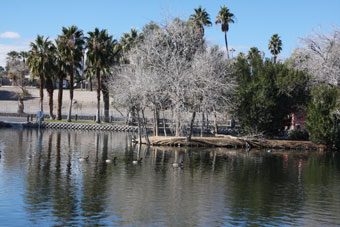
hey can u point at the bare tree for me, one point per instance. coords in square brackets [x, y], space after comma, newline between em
[18, 70]
[172, 69]
[320, 57]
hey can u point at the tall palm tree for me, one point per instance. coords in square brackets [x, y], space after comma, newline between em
[200, 18]
[275, 46]
[40, 59]
[72, 45]
[225, 17]
[61, 71]
[100, 52]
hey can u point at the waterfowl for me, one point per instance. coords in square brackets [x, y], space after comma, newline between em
[135, 162]
[84, 159]
[111, 160]
[269, 151]
[178, 164]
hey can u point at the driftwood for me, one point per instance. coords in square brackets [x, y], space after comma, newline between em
[233, 142]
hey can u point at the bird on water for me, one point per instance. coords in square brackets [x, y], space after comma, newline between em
[178, 164]
[84, 159]
[138, 161]
[111, 160]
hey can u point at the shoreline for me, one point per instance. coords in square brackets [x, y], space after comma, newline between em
[233, 142]
[223, 141]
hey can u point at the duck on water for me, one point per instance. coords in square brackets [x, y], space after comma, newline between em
[138, 161]
[84, 159]
[178, 164]
[111, 160]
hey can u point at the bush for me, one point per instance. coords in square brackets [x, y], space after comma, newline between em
[266, 94]
[322, 125]
[298, 134]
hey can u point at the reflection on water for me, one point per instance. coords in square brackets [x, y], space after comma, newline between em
[42, 182]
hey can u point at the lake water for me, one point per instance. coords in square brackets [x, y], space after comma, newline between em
[43, 183]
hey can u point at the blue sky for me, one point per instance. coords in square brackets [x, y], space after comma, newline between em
[257, 20]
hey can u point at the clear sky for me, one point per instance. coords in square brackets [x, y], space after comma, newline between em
[257, 20]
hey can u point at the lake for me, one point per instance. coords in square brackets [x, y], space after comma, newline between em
[43, 183]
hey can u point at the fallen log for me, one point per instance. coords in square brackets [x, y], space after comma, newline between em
[233, 142]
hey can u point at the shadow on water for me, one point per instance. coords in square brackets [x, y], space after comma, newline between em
[214, 186]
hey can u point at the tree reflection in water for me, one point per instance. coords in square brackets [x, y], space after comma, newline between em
[216, 186]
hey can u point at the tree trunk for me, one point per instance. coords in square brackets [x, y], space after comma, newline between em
[60, 97]
[50, 103]
[145, 129]
[156, 121]
[202, 124]
[275, 57]
[207, 121]
[139, 128]
[106, 99]
[20, 104]
[42, 82]
[71, 96]
[215, 121]
[164, 122]
[178, 124]
[191, 125]
[226, 43]
[91, 89]
[98, 96]
[50, 89]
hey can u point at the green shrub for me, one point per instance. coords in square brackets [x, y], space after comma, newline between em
[298, 134]
[322, 124]
[266, 94]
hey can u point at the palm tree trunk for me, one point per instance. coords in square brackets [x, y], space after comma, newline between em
[50, 89]
[226, 43]
[42, 94]
[50, 103]
[98, 96]
[275, 57]
[71, 96]
[60, 97]
[106, 99]
[91, 89]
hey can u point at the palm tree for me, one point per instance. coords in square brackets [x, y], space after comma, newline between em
[126, 42]
[90, 74]
[225, 17]
[100, 53]
[275, 46]
[40, 59]
[23, 55]
[12, 55]
[200, 18]
[71, 44]
[253, 53]
[61, 70]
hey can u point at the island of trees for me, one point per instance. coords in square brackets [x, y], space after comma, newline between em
[170, 68]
